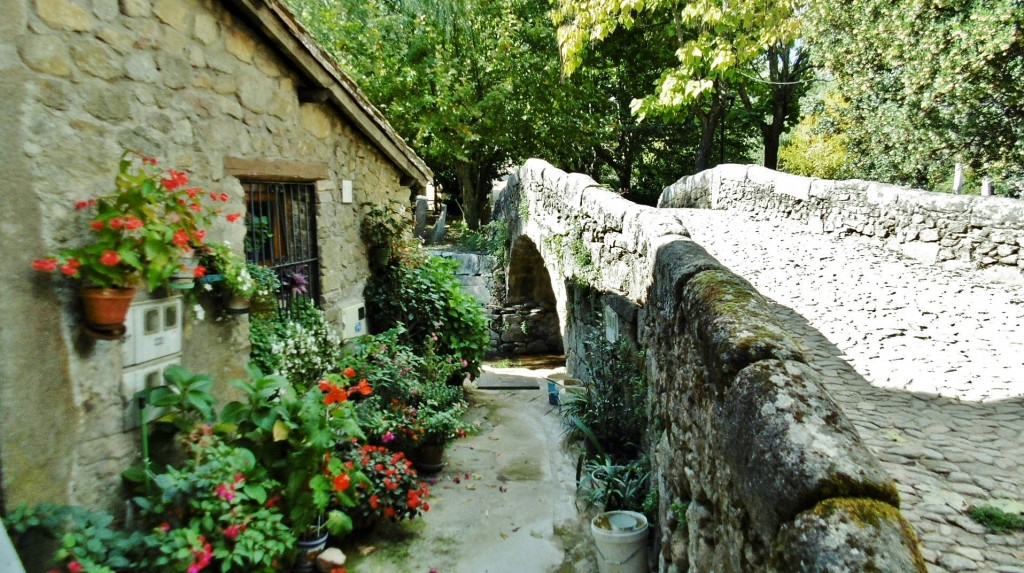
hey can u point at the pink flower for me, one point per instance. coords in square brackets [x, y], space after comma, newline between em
[225, 491]
[388, 436]
[232, 531]
[165, 527]
[75, 567]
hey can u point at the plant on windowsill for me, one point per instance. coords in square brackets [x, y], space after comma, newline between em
[137, 236]
[238, 284]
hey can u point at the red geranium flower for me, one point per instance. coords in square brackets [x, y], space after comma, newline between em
[349, 372]
[342, 482]
[45, 265]
[110, 258]
[232, 217]
[174, 179]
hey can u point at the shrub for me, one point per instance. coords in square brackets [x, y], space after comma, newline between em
[299, 345]
[427, 299]
[392, 489]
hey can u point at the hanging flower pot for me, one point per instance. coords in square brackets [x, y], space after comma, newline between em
[236, 304]
[106, 309]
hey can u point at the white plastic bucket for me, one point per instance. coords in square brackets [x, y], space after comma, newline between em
[621, 539]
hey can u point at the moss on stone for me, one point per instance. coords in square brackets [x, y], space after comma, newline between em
[872, 513]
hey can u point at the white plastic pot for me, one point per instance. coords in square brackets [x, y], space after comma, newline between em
[621, 539]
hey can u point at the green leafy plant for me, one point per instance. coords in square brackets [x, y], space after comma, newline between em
[610, 415]
[88, 541]
[220, 508]
[264, 298]
[294, 432]
[138, 233]
[608, 486]
[421, 292]
[221, 259]
[996, 519]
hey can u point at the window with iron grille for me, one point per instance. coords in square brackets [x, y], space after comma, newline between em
[280, 227]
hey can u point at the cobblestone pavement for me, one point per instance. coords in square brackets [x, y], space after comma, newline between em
[928, 363]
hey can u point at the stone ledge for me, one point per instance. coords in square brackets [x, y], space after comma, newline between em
[733, 324]
[790, 446]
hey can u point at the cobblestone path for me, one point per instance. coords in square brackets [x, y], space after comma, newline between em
[927, 362]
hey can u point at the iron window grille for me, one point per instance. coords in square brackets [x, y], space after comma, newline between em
[281, 234]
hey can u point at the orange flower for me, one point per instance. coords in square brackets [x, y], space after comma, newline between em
[342, 482]
[349, 372]
[363, 388]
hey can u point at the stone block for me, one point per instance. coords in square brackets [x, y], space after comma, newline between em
[239, 44]
[848, 536]
[789, 445]
[677, 262]
[94, 58]
[733, 324]
[174, 13]
[141, 67]
[46, 54]
[136, 8]
[63, 15]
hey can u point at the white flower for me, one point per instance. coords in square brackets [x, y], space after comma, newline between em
[199, 311]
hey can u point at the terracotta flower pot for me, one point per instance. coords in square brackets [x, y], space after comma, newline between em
[106, 308]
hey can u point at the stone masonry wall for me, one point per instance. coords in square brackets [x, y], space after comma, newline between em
[930, 227]
[771, 474]
[186, 81]
[524, 327]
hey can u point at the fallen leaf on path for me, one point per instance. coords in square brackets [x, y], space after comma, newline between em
[365, 550]
[470, 486]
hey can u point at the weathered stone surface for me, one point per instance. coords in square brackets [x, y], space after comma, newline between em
[93, 57]
[46, 54]
[239, 44]
[63, 15]
[848, 536]
[789, 445]
[174, 13]
[734, 324]
[136, 8]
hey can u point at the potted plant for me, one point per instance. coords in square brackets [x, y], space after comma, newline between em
[294, 434]
[239, 286]
[137, 235]
[392, 490]
[264, 299]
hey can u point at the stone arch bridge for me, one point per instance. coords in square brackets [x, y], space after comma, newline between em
[799, 434]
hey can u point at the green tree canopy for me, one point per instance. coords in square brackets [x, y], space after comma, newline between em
[930, 83]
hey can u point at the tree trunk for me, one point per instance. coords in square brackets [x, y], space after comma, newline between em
[771, 134]
[708, 124]
[469, 192]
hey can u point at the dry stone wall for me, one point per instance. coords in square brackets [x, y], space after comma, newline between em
[757, 468]
[189, 82]
[928, 226]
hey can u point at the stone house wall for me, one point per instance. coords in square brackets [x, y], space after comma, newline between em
[930, 227]
[200, 85]
[756, 467]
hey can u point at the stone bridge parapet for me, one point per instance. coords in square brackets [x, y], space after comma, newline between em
[743, 435]
[928, 226]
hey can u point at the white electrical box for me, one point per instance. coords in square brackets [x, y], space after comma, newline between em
[153, 330]
[353, 321]
[140, 378]
[346, 191]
